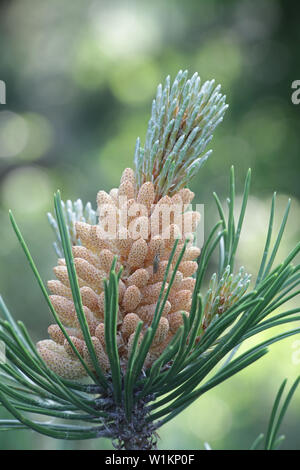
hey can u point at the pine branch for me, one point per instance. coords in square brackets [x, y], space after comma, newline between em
[131, 348]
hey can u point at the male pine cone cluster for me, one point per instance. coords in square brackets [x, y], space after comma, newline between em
[144, 257]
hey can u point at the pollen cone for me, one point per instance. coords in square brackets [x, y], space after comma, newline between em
[140, 230]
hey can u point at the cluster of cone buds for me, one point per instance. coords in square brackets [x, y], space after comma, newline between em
[222, 294]
[140, 230]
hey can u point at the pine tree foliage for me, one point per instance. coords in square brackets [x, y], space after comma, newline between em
[129, 405]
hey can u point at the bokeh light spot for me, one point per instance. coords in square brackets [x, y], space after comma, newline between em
[40, 136]
[26, 190]
[90, 65]
[13, 134]
[215, 420]
[125, 32]
[220, 57]
[132, 82]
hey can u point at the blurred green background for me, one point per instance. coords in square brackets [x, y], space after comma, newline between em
[80, 78]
